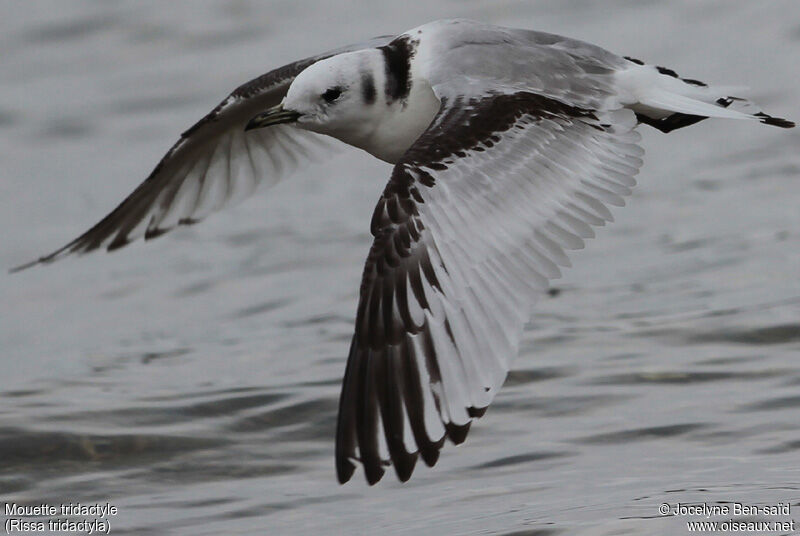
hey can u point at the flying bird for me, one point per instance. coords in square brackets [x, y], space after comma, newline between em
[508, 147]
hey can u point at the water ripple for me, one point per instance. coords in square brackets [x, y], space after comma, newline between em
[640, 434]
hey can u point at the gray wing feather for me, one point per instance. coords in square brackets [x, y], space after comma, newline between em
[479, 59]
[473, 223]
[213, 163]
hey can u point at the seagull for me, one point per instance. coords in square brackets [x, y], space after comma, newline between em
[508, 146]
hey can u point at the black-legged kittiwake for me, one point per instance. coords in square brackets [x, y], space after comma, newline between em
[508, 146]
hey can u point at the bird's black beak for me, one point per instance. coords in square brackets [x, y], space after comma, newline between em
[274, 116]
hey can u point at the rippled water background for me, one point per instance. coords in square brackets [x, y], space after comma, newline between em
[192, 381]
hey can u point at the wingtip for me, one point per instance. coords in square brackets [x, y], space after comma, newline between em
[46, 259]
[457, 432]
[373, 473]
[430, 454]
[404, 466]
[779, 122]
[344, 471]
[774, 121]
[25, 266]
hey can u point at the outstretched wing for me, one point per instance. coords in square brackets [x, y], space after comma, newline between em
[213, 163]
[473, 223]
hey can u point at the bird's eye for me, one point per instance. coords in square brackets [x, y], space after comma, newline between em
[332, 94]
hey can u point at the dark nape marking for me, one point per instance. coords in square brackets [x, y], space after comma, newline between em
[397, 58]
[668, 72]
[671, 122]
[368, 88]
[634, 60]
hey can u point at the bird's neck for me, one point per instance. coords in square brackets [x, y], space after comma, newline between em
[398, 125]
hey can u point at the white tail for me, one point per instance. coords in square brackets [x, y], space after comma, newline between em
[665, 101]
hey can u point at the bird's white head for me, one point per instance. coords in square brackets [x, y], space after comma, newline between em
[335, 96]
[365, 98]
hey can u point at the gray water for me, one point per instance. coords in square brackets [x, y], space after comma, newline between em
[192, 381]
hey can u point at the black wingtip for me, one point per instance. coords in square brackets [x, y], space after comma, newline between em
[476, 413]
[25, 266]
[430, 453]
[404, 466]
[457, 433]
[47, 259]
[58, 254]
[774, 121]
[344, 470]
[373, 472]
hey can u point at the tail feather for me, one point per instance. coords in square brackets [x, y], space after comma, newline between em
[674, 102]
[667, 102]
[774, 121]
